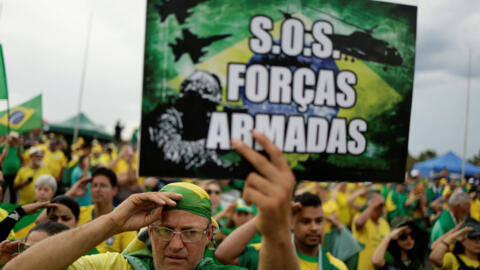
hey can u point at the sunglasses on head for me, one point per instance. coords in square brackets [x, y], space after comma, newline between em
[209, 192]
[404, 236]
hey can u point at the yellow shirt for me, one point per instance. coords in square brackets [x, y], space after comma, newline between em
[122, 165]
[370, 235]
[3, 215]
[311, 263]
[95, 161]
[116, 243]
[329, 208]
[359, 201]
[446, 191]
[344, 213]
[105, 159]
[55, 162]
[27, 193]
[475, 209]
[101, 261]
[451, 263]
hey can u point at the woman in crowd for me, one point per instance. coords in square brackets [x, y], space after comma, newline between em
[63, 209]
[403, 248]
[42, 231]
[10, 249]
[466, 252]
[45, 188]
[214, 190]
[79, 172]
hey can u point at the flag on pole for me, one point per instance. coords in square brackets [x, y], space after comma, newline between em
[24, 117]
[3, 77]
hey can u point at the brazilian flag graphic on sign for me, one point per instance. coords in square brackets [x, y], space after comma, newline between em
[329, 82]
[24, 117]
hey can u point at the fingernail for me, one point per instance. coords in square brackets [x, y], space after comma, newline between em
[256, 132]
[236, 143]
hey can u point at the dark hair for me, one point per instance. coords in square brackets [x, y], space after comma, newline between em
[81, 159]
[68, 202]
[213, 182]
[460, 249]
[49, 227]
[308, 199]
[107, 173]
[416, 255]
[86, 145]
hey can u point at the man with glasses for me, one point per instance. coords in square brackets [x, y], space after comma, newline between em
[178, 220]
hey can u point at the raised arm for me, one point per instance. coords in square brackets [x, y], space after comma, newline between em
[353, 196]
[61, 250]
[271, 190]
[236, 242]
[4, 154]
[378, 257]
[442, 245]
[365, 215]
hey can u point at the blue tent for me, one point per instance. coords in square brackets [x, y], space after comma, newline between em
[449, 160]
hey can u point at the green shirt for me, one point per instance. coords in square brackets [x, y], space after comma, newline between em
[399, 200]
[250, 258]
[444, 224]
[12, 162]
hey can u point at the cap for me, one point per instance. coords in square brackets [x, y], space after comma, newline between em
[14, 134]
[400, 221]
[475, 225]
[35, 150]
[97, 148]
[324, 184]
[243, 207]
[414, 173]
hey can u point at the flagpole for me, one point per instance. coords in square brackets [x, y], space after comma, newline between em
[8, 115]
[84, 69]
[8, 102]
[467, 109]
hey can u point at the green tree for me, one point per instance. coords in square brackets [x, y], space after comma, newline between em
[427, 154]
[475, 159]
[410, 161]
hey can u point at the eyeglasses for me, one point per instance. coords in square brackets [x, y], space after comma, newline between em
[216, 192]
[187, 236]
[405, 235]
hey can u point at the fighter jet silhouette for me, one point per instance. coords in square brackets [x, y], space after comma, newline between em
[193, 45]
[180, 8]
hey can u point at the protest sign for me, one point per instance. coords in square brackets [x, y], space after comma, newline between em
[329, 82]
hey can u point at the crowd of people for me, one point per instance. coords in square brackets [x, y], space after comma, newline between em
[83, 206]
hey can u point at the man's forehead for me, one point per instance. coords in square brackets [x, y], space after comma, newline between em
[100, 179]
[182, 219]
[310, 212]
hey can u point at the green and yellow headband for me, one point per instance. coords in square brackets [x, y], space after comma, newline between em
[194, 199]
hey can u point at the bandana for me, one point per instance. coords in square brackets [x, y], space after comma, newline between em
[195, 200]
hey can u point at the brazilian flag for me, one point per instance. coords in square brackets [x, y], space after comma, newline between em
[25, 224]
[24, 117]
